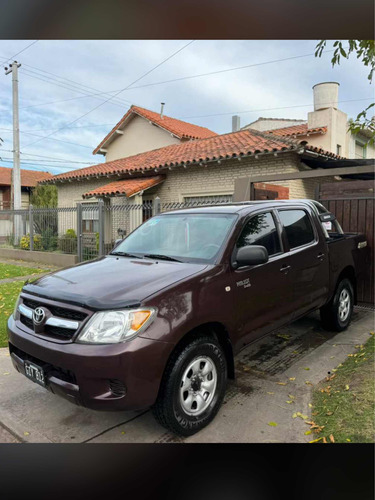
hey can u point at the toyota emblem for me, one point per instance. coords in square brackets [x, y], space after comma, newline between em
[38, 315]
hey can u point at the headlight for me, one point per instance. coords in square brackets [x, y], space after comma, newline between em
[112, 327]
[16, 307]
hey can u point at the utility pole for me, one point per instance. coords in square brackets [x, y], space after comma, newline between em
[16, 173]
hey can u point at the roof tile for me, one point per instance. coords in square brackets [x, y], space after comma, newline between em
[181, 129]
[126, 187]
[29, 178]
[297, 130]
[235, 144]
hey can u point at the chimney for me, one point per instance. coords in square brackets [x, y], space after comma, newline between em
[326, 95]
[161, 110]
[235, 123]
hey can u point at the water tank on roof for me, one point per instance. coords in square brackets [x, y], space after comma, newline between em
[326, 95]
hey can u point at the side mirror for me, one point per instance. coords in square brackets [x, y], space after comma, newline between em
[117, 242]
[251, 255]
[327, 217]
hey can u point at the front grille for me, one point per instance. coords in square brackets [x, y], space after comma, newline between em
[57, 371]
[58, 332]
[61, 312]
[27, 322]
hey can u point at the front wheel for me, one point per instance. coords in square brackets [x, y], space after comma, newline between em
[193, 387]
[336, 315]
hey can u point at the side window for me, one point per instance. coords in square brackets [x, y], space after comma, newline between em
[297, 227]
[260, 230]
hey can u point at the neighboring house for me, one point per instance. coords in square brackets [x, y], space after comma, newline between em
[29, 179]
[326, 127]
[202, 169]
[141, 130]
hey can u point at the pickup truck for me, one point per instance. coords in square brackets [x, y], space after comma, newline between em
[158, 321]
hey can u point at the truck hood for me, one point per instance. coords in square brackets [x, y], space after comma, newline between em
[111, 282]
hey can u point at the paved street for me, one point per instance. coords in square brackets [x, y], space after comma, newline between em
[298, 356]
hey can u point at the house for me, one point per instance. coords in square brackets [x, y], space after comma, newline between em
[141, 130]
[326, 127]
[29, 179]
[189, 171]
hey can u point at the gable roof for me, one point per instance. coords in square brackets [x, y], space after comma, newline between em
[233, 145]
[182, 130]
[29, 178]
[127, 187]
[296, 130]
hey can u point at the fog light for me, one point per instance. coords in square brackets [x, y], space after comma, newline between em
[117, 387]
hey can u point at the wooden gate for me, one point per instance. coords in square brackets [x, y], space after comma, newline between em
[353, 204]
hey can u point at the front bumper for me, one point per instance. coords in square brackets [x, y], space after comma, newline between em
[122, 376]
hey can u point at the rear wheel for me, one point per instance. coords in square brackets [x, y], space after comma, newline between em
[193, 387]
[336, 315]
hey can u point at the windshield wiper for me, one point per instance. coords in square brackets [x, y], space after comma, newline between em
[126, 254]
[161, 257]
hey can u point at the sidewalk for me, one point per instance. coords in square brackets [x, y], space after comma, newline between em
[302, 352]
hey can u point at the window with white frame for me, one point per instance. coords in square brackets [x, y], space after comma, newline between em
[360, 149]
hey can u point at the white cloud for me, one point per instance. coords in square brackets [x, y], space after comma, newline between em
[111, 65]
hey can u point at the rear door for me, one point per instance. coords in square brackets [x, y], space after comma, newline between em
[309, 268]
[262, 293]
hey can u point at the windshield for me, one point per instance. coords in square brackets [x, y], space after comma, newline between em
[184, 237]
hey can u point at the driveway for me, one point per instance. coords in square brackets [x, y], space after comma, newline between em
[280, 368]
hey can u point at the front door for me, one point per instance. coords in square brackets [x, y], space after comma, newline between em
[262, 293]
[309, 271]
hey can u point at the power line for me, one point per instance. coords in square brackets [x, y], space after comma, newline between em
[270, 109]
[23, 50]
[119, 92]
[9, 160]
[181, 78]
[64, 86]
[49, 158]
[52, 139]
[226, 70]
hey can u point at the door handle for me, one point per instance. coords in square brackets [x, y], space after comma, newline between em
[284, 269]
[320, 256]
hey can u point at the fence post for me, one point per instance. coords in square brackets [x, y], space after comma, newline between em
[79, 232]
[157, 206]
[101, 227]
[31, 227]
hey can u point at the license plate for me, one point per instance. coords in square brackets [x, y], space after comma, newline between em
[35, 373]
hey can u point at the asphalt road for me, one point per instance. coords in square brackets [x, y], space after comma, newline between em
[284, 364]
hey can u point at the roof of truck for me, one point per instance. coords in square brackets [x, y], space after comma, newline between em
[229, 208]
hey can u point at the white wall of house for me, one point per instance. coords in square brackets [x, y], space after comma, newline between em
[263, 124]
[139, 136]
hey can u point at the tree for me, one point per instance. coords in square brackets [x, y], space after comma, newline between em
[44, 196]
[364, 50]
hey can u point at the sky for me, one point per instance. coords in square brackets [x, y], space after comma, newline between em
[58, 77]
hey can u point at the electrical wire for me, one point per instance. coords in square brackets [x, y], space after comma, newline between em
[23, 50]
[119, 92]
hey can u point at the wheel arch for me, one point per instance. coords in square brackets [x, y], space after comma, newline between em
[349, 273]
[218, 332]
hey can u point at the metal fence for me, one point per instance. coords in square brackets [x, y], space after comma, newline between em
[87, 230]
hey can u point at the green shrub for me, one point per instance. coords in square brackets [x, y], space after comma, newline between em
[49, 240]
[68, 242]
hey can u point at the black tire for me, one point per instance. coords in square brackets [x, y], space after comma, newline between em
[330, 313]
[168, 409]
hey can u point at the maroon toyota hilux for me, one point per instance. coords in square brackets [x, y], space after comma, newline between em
[157, 322]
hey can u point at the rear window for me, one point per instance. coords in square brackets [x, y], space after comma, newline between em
[297, 226]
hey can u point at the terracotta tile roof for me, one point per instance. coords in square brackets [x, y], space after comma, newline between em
[127, 187]
[297, 130]
[220, 147]
[182, 130]
[29, 178]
